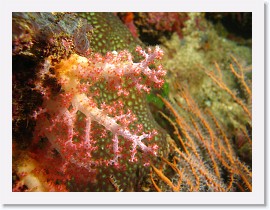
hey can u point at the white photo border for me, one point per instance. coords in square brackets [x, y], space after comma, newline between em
[257, 196]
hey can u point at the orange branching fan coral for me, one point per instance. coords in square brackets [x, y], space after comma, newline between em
[203, 156]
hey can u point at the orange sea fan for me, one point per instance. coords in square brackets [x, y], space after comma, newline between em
[203, 156]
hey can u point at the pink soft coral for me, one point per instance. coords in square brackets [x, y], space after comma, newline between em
[73, 120]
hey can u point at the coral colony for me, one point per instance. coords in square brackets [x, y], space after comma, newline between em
[72, 135]
[81, 119]
[77, 75]
[93, 121]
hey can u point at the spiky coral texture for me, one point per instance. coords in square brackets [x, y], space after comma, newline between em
[66, 119]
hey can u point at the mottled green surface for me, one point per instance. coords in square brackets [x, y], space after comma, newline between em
[109, 33]
[105, 33]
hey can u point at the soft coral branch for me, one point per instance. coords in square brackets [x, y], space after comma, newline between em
[77, 75]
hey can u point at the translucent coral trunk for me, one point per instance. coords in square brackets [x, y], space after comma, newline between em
[94, 135]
